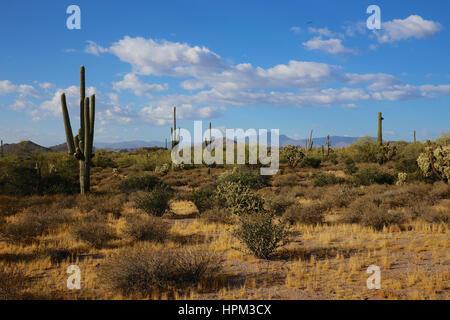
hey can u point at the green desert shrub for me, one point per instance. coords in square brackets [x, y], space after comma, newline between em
[246, 177]
[140, 227]
[370, 175]
[143, 183]
[350, 167]
[323, 179]
[310, 162]
[204, 198]
[238, 198]
[278, 204]
[155, 202]
[142, 271]
[261, 233]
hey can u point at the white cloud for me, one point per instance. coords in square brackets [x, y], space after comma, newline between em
[332, 46]
[296, 29]
[412, 27]
[7, 87]
[132, 82]
[150, 57]
[324, 32]
[94, 48]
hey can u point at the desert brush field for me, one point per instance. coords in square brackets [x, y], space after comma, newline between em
[152, 230]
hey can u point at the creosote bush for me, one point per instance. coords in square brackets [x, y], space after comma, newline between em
[323, 179]
[142, 270]
[141, 227]
[204, 199]
[31, 223]
[372, 214]
[370, 175]
[95, 233]
[306, 214]
[155, 202]
[246, 177]
[261, 233]
[135, 183]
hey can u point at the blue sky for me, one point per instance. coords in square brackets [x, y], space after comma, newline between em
[292, 65]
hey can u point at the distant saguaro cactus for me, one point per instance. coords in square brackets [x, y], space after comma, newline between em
[380, 129]
[310, 142]
[1, 148]
[173, 131]
[415, 136]
[328, 145]
[81, 146]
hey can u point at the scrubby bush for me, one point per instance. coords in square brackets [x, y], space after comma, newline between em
[261, 234]
[238, 198]
[310, 162]
[433, 215]
[350, 167]
[31, 223]
[372, 214]
[204, 199]
[370, 175]
[323, 179]
[279, 203]
[95, 233]
[217, 215]
[155, 202]
[144, 183]
[12, 284]
[141, 270]
[141, 227]
[306, 214]
[246, 177]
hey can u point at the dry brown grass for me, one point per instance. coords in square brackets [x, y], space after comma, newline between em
[320, 261]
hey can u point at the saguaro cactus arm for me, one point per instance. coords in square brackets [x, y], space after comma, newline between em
[67, 126]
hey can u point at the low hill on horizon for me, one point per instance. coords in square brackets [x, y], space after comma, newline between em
[128, 146]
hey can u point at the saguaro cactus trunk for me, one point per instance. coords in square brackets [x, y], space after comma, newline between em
[173, 131]
[380, 129]
[81, 146]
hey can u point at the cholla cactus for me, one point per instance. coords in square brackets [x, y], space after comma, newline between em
[386, 152]
[435, 160]
[177, 167]
[293, 155]
[163, 169]
[239, 199]
[401, 178]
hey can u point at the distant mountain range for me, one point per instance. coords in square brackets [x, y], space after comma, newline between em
[29, 146]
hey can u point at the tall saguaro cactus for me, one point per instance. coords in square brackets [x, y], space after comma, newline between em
[328, 146]
[81, 145]
[380, 129]
[173, 131]
[415, 136]
[1, 148]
